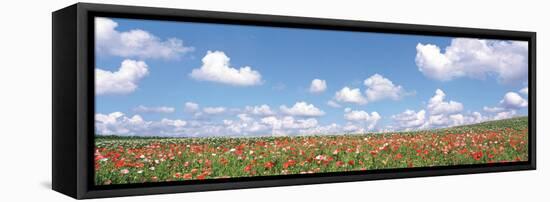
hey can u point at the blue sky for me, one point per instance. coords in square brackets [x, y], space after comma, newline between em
[480, 80]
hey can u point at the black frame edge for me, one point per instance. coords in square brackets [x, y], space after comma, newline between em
[532, 98]
[83, 96]
[64, 145]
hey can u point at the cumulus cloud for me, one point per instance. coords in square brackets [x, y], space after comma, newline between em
[508, 106]
[118, 123]
[317, 86]
[302, 109]
[134, 43]
[379, 88]
[349, 95]
[474, 58]
[504, 115]
[442, 113]
[438, 113]
[191, 107]
[438, 105]
[328, 129]
[160, 109]
[262, 110]
[178, 124]
[493, 109]
[512, 100]
[409, 119]
[362, 117]
[244, 125]
[287, 125]
[214, 110]
[123, 81]
[216, 68]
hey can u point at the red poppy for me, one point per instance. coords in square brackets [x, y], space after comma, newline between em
[477, 155]
[248, 168]
[289, 163]
[398, 156]
[351, 162]
[269, 165]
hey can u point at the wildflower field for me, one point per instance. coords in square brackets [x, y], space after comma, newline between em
[122, 160]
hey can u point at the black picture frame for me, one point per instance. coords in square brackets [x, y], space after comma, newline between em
[73, 99]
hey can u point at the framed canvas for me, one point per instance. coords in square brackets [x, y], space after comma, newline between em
[156, 100]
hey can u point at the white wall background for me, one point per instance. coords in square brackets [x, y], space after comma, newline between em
[25, 102]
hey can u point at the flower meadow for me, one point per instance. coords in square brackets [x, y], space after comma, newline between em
[125, 160]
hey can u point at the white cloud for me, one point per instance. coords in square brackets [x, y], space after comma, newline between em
[333, 104]
[512, 100]
[439, 113]
[191, 107]
[362, 117]
[214, 110]
[161, 109]
[245, 117]
[474, 58]
[262, 110]
[449, 120]
[379, 88]
[507, 107]
[178, 124]
[349, 95]
[461, 119]
[438, 105]
[302, 109]
[524, 91]
[357, 128]
[350, 128]
[493, 109]
[134, 43]
[287, 125]
[117, 123]
[504, 115]
[443, 113]
[215, 68]
[410, 119]
[329, 129]
[123, 81]
[318, 86]
[245, 125]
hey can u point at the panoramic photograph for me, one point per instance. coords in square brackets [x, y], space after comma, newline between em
[184, 101]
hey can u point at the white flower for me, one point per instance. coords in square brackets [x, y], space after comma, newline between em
[320, 157]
